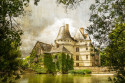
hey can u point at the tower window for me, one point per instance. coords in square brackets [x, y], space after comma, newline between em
[86, 57]
[77, 57]
[77, 49]
[77, 64]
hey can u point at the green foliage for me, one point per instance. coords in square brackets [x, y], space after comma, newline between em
[85, 71]
[105, 14]
[64, 62]
[10, 39]
[58, 62]
[69, 3]
[33, 55]
[115, 51]
[103, 58]
[107, 28]
[26, 63]
[38, 69]
[10, 60]
[52, 63]
[48, 63]
[41, 70]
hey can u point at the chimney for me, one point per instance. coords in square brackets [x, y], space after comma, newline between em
[82, 30]
[67, 27]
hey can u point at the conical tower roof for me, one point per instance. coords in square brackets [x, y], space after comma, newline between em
[78, 35]
[64, 33]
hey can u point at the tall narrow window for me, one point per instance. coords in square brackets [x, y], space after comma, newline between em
[86, 48]
[77, 57]
[86, 57]
[77, 64]
[77, 49]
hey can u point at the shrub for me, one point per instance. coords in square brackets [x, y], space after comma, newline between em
[40, 70]
[86, 71]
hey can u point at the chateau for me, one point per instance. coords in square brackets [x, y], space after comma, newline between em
[79, 46]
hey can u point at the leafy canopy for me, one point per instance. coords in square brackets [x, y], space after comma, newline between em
[10, 40]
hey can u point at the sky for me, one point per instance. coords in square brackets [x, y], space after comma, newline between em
[42, 22]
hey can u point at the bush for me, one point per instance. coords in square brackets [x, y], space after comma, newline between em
[86, 71]
[25, 63]
[40, 70]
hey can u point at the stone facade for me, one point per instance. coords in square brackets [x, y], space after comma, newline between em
[79, 46]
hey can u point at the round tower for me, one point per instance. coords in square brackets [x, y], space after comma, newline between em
[64, 36]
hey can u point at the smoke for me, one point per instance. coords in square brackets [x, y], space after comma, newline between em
[42, 22]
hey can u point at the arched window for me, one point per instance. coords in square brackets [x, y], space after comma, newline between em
[77, 49]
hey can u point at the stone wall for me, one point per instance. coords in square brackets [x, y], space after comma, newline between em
[99, 70]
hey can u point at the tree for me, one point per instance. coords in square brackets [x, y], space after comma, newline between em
[69, 3]
[103, 58]
[107, 28]
[10, 39]
[105, 14]
[115, 52]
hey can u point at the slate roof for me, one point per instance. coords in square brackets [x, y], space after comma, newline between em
[63, 34]
[45, 47]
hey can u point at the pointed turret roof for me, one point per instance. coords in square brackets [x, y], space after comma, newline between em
[64, 33]
[79, 35]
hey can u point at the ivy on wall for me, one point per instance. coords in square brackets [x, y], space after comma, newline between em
[60, 62]
[48, 63]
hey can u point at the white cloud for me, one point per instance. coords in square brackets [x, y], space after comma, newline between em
[44, 21]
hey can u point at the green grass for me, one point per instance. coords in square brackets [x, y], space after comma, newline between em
[85, 71]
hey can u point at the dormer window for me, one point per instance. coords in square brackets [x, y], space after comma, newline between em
[77, 49]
